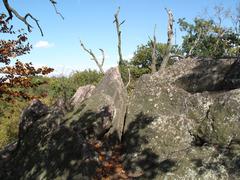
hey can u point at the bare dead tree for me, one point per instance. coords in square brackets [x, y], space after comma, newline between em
[94, 58]
[169, 41]
[154, 54]
[118, 25]
[11, 11]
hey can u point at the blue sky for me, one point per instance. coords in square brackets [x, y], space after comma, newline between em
[92, 22]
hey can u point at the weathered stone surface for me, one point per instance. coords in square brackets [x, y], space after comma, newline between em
[82, 94]
[30, 115]
[61, 146]
[211, 75]
[181, 123]
[104, 112]
[112, 85]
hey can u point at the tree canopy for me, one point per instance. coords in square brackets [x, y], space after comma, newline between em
[208, 37]
[205, 39]
[16, 77]
[142, 57]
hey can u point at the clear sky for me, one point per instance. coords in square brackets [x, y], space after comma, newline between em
[92, 22]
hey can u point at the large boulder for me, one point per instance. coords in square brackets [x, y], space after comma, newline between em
[82, 94]
[184, 123]
[103, 114]
[54, 145]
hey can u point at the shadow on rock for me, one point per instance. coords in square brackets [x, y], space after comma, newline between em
[143, 163]
[223, 158]
[212, 75]
[64, 152]
[94, 124]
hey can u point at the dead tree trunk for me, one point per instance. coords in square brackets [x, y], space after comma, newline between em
[89, 51]
[169, 42]
[116, 21]
[154, 54]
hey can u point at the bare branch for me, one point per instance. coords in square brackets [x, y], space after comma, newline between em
[12, 11]
[154, 56]
[116, 21]
[89, 51]
[33, 18]
[53, 2]
[103, 56]
[169, 41]
[122, 22]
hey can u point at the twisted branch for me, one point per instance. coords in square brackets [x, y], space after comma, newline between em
[11, 11]
[89, 51]
[55, 8]
[103, 56]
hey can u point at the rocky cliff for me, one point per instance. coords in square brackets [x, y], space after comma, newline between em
[183, 123]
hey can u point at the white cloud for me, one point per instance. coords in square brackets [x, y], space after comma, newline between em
[43, 44]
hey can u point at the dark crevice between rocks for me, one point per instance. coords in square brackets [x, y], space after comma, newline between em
[199, 137]
[212, 75]
[199, 141]
[225, 156]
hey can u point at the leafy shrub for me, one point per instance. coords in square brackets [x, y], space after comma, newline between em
[65, 87]
[9, 122]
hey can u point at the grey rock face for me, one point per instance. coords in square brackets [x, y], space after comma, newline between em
[61, 146]
[112, 86]
[181, 123]
[30, 115]
[104, 112]
[82, 94]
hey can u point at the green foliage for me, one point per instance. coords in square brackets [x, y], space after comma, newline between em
[82, 78]
[142, 59]
[206, 38]
[143, 56]
[65, 87]
[124, 70]
[9, 122]
[135, 73]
